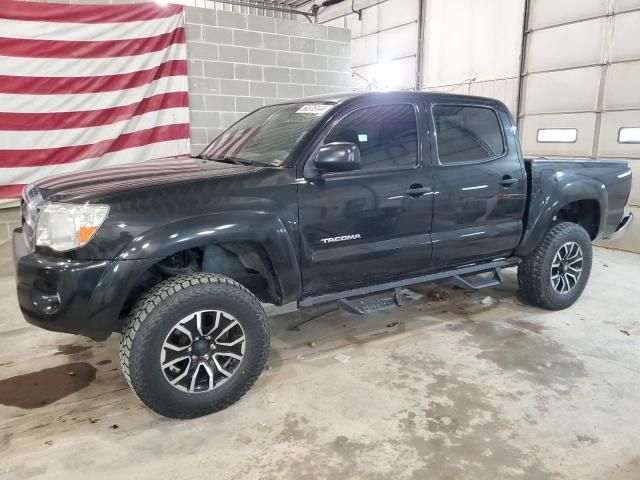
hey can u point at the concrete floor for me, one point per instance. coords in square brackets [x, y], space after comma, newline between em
[449, 389]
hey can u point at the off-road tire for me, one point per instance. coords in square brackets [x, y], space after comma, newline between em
[156, 314]
[534, 273]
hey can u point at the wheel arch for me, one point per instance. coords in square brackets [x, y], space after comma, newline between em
[583, 201]
[256, 241]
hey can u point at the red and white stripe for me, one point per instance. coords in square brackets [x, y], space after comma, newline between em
[231, 144]
[88, 86]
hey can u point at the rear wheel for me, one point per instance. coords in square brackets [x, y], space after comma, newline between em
[195, 345]
[554, 275]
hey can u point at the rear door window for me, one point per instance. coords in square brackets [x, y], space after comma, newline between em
[467, 133]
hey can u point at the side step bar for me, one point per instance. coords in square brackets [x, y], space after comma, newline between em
[459, 276]
[375, 306]
[462, 282]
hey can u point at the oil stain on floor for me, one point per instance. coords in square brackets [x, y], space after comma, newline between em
[71, 349]
[37, 389]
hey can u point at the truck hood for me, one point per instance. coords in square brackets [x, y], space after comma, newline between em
[101, 182]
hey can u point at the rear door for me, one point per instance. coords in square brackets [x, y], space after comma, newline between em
[480, 185]
[362, 227]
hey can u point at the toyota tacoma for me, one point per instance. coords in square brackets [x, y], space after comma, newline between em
[321, 200]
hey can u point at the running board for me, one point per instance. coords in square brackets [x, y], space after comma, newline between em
[459, 276]
[374, 306]
[469, 284]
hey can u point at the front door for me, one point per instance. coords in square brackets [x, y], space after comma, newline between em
[361, 227]
[480, 184]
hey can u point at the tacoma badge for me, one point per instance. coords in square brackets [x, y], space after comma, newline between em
[341, 238]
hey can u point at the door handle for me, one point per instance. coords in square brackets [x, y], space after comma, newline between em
[417, 190]
[507, 181]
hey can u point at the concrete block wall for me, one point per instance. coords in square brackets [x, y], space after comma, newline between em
[238, 63]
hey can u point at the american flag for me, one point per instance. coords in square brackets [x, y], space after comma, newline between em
[87, 86]
[231, 143]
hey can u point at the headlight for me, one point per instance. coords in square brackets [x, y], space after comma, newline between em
[64, 226]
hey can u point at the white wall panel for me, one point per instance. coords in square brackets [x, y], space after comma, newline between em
[351, 22]
[505, 90]
[562, 91]
[545, 13]
[467, 38]
[398, 42]
[337, 22]
[461, 89]
[573, 45]
[345, 8]
[626, 37]
[584, 122]
[401, 74]
[387, 31]
[634, 198]
[624, 5]
[364, 50]
[622, 89]
[369, 22]
[356, 26]
[611, 124]
[364, 77]
[397, 12]
[393, 75]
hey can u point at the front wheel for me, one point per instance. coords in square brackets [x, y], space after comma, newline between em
[554, 275]
[195, 345]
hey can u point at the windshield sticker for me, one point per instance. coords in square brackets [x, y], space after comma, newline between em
[315, 109]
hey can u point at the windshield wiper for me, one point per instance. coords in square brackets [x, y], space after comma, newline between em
[232, 160]
[243, 161]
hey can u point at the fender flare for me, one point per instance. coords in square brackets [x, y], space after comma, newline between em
[135, 259]
[548, 202]
[264, 229]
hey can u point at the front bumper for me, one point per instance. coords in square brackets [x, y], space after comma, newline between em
[55, 293]
[625, 224]
[71, 296]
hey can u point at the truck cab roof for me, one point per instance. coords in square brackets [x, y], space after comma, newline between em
[391, 95]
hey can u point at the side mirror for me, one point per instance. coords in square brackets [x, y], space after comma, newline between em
[338, 157]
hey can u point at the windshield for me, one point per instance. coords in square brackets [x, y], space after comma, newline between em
[267, 135]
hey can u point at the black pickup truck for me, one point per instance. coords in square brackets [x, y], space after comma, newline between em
[326, 199]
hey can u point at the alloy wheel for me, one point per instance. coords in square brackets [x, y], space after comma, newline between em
[566, 267]
[202, 351]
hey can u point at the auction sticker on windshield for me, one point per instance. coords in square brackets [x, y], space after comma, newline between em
[315, 108]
